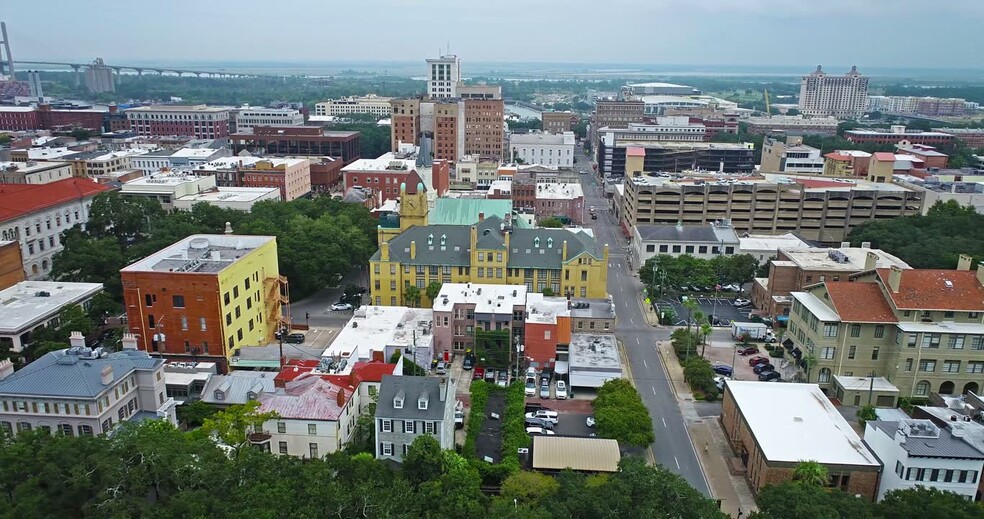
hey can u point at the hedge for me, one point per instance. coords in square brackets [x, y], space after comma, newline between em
[479, 398]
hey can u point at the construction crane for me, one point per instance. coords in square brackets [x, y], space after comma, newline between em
[768, 107]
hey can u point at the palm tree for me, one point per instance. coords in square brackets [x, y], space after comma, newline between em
[705, 330]
[808, 361]
[811, 473]
[691, 306]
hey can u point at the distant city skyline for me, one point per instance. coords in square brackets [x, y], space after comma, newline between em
[835, 33]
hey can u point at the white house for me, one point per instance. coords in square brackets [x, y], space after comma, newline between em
[920, 453]
[316, 418]
[549, 149]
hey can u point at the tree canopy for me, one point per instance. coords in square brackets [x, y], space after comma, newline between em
[621, 415]
[665, 272]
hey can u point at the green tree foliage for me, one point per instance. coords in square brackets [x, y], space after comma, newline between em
[933, 241]
[493, 346]
[233, 425]
[866, 414]
[528, 486]
[423, 460]
[194, 414]
[411, 295]
[374, 139]
[663, 273]
[698, 372]
[526, 124]
[927, 503]
[811, 473]
[433, 290]
[621, 415]
[795, 500]
[551, 223]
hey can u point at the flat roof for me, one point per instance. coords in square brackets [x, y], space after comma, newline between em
[799, 423]
[177, 108]
[697, 145]
[49, 153]
[545, 310]
[488, 299]
[559, 191]
[855, 258]
[200, 253]
[194, 152]
[22, 307]
[594, 352]
[246, 162]
[385, 165]
[584, 454]
[232, 194]
[375, 327]
[889, 133]
[880, 384]
[816, 306]
[941, 327]
[708, 233]
[175, 178]
[756, 242]
[31, 167]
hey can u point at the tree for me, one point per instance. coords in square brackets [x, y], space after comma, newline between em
[794, 500]
[411, 295]
[811, 473]
[90, 260]
[551, 223]
[740, 268]
[81, 134]
[866, 414]
[621, 415]
[927, 503]
[705, 332]
[638, 490]
[526, 486]
[699, 373]
[194, 414]
[233, 425]
[691, 306]
[423, 460]
[433, 290]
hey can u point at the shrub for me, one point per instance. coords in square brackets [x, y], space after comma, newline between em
[621, 415]
[479, 398]
[514, 425]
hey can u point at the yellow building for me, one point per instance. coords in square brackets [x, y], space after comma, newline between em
[206, 296]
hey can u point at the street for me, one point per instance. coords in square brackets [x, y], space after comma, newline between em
[673, 447]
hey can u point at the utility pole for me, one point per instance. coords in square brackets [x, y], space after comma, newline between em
[871, 386]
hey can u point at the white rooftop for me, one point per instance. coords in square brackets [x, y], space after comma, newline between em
[545, 310]
[594, 352]
[865, 383]
[559, 191]
[771, 243]
[822, 259]
[30, 167]
[798, 424]
[375, 327]
[129, 152]
[48, 153]
[247, 162]
[502, 186]
[854, 153]
[540, 139]
[488, 299]
[816, 306]
[22, 306]
[234, 194]
[175, 178]
[194, 153]
[200, 253]
[382, 164]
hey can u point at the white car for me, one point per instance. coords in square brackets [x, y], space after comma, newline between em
[589, 421]
[561, 390]
[742, 302]
[550, 416]
[341, 306]
[538, 430]
[530, 389]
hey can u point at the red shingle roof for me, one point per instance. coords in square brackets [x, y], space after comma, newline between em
[635, 151]
[17, 200]
[859, 302]
[927, 289]
[361, 372]
[309, 399]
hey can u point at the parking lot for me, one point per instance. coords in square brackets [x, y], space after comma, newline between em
[722, 308]
[725, 352]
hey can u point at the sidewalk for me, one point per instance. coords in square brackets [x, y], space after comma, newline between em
[709, 442]
[647, 312]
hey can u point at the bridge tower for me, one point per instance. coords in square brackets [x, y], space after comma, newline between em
[6, 60]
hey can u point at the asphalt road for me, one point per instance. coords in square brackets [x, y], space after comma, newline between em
[673, 448]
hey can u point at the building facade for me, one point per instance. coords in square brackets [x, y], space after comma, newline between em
[792, 124]
[315, 418]
[28, 305]
[34, 172]
[791, 156]
[559, 200]
[409, 407]
[462, 308]
[205, 297]
[548, 149]
[557, 122]
[246, 118]
[615, 158]
[279, 141]
[898, 134]
[368, 104]
[700, 241]
[844, 97]
[443, 77]
[200, 121]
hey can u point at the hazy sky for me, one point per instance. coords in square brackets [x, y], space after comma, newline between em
[872, 33]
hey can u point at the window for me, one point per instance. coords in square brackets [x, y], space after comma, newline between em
[908, 364]
[951, 366]
[927, 365]
[824, 375]
[408, 427]
[85, 430]
[676, 249]
[422, 404]
[829, 329]
[184, 323]
[874, 352]
[313, 449]
[664, 248]
[827, 353]
[283, 447]
[922, 388]
[150, 320]
[879, 331]
[977, 342]
[899, 468]
[398, 403]
[931, 340]
[913, 340]
[429, 427]
[386, 425]
[387, 449]
[225, 298]
[855, 330]
[178, 301]
[63, 428]
[851, 351]
[201, 323]
[312, 428]
[281, 427]
[975, 366]
[956, 342]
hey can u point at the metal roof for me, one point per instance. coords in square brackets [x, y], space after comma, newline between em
[931, 445]
[410, 389]
[687, 233]
[71, 373]
[465, 211]
[236, 386]
[586, 454]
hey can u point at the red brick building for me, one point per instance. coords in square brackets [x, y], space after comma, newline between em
[896, 135]
[298, 140]
[22, 118]
[446, 131]
[200, 121]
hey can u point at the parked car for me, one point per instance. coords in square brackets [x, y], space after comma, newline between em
[536, 406]
[531, 372]
[468, 363]
[747, 350]
[723, 369]
[442, 367]
[762, 362]
[762, 368]
[534, 431]
[479, 373]
[742, 302]
[459, 419]
[719, 383]
[545, 391]
[503, 378]
[539, 422]
[589, 421]
[770, 376]
[341, 306]
[530, 389]
[294, 338]
[757, 360]
[561, 390]
[544, 414]
[594, 216]
[490, 376]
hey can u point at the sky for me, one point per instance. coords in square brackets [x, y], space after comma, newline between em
[867, 33]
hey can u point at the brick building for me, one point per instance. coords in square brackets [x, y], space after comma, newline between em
[44, 117]
[462, 308]
[11, 264]
[405, 122]
[798, 424]
[297, 140]
[557, 122]
[898, 134]
[200, 121]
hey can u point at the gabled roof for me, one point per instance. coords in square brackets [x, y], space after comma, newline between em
[413, 182]
[858, 302]
[311, 398]
[410, 389]
[237, 386]
[936, 289]
[67, 373]
[18, 200]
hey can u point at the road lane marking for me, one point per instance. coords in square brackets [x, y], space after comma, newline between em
[664, 421]
[654, 390]
[637, 341]
[677, 462]
[644, 363]
[631, 321]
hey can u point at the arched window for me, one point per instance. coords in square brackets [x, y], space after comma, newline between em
[946, 388]
[922, 388]
[824, 375]
[44, 265]
[444, 239]
[34, 269]
[549, 243]
[536, 242]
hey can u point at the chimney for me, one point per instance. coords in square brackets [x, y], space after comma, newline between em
[481, 216]
[6, 368]
[129, 341]
[980, 273]
[106, 375]
[443, 388]
[474, 238]
[413, 249]
[340, 399]
[870, 261]
[964, 262]
[384, 251]
[76, 340]
[895, 278]
[563, 255]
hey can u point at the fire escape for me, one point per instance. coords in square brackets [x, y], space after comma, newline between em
[276, 298]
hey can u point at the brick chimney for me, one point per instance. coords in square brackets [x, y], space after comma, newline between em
[340, 399]
[965, 261]
[106, 375]
[443, 388]
[6, 368]
[129, 341]
[980, 273]
[413, 249]
[895, 278]
[76, 340]
[481, 216]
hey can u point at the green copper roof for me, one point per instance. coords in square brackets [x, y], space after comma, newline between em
[464, 211]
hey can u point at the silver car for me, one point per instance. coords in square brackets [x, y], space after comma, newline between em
[545, 391]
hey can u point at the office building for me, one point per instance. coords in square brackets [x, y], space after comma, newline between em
[165, 188]
[199, 121]
[940, 107]
[701, 241]
[83, 392]
[245, 118]
[34, 172]
[291, 176]
[280, 141]
[44, 117]
[897, 134]
[677, 128]
[792, 125]
[557, 122]
[443, 77]
[157, 160]
[843, 97]
[35, 215]
[462, 308]
[614, 113]
[920, 329]
[795, 268]
[822, 210]
[369, 104]
[552, 150]
[799, 424]
[790, 156]
[238, 198]
[29, 305]
[972, 137]
[205, 297]
[409, 407]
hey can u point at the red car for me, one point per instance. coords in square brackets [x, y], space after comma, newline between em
[757, 360]
[748, 350]
[478, 373]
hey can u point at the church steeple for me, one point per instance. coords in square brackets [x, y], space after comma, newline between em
[413, 202]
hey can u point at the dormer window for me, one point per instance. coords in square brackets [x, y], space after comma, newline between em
[422, 404]
[444, 239]
[549, 243]
[536, 242]
[430, 239]
[219, 395]
[397, 403]
[251, 395]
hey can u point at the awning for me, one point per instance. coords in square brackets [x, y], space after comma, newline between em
[592, 378]
[797, 353]
[788, 344]
[782, 318]
[560, 367]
